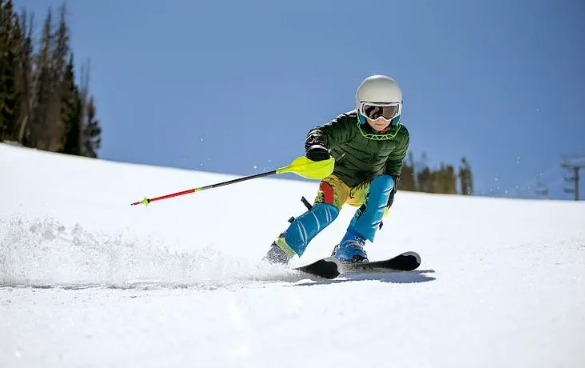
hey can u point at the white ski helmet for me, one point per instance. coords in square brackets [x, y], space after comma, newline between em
[379, 96]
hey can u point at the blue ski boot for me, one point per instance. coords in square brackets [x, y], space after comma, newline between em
[351, 248]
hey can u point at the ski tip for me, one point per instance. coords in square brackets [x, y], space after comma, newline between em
[327, 268]
[414, 254]
[333, 260]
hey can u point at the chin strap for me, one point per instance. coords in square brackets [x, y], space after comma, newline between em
[378, 136]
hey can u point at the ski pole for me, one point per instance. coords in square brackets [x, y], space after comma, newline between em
[301, 166]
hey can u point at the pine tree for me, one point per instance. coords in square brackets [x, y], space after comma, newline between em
[437, 180]
[40, 124]
[450, 180]
[40, 104]
[26, 79]
[14, 104]
[3, 61]
[425, 180]
[407, 175]
[71, 112]
[91, 131]
[60, 88]
[444, 180]
[465, 177]
[9, 96]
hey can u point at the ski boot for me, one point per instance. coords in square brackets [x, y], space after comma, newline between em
[279, 252]
[351, 249]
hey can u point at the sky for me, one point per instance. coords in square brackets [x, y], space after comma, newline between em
[234, 86]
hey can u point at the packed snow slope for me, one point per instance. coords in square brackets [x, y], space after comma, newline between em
[86, 280]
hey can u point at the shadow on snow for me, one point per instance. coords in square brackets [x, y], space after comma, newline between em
[404, 277]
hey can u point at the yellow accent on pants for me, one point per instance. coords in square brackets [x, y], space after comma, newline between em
[343, 194]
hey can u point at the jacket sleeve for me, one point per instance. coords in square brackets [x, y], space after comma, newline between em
[395, 160]
[332, 134]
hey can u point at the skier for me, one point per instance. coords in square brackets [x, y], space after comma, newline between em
[369, 145]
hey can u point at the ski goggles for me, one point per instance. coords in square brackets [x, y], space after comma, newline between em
[378, 110]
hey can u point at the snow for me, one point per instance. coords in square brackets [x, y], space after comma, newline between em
[86, 280]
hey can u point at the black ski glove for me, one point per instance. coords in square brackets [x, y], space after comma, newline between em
[315, 146]
[317, 153]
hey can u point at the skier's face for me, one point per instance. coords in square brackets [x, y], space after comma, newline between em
[379, 124]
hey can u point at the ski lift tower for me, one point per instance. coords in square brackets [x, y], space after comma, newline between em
[573, 163]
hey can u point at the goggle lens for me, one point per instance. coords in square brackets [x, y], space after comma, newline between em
[376, 111]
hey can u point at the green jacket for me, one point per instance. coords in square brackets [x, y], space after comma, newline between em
[360, 152]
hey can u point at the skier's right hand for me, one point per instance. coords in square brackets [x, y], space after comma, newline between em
[317, 152]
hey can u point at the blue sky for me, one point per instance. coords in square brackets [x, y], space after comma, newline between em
[234, 86]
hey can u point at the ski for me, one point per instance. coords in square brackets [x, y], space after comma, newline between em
[330, 268]
[407, 261]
